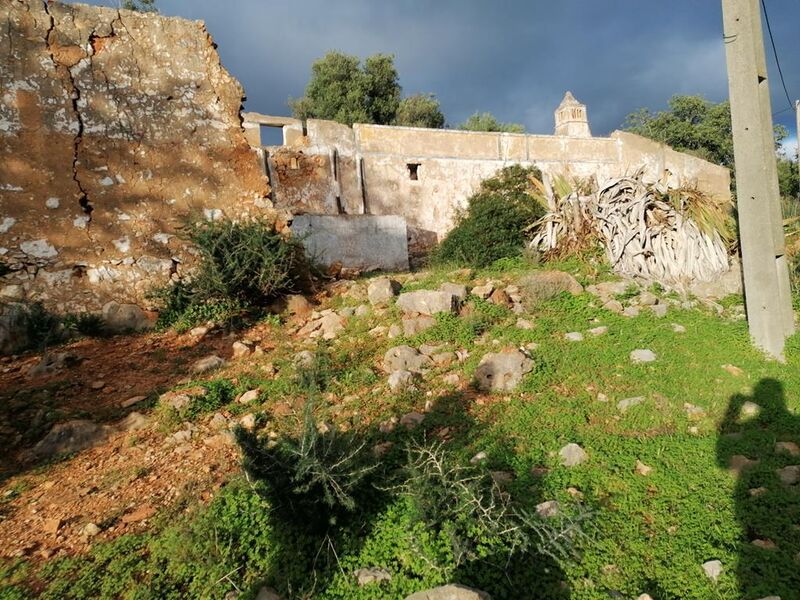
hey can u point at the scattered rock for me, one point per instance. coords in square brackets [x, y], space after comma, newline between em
[362, 310]
[597, 331]
[607, 290]
[524, 324]
[298, 306]
[765, 544]
[500, 298]
[543, 285]
[642, 469]
[695, 413]
[456, 289]
[249, 396]
[133, 422]
[124, 318]
[427, 302]
[572, 455]
[451, 379]
[304, 359]
[631, 311]
[712, 569]
[402, 380]
[643, 356]
[787, 447]
[739, 462]
[90, 530]
[450, 592]
[133, 400]
[502, 371]
[733, 370]
[395, 331]
[549, 509]
[382, 449]
[373, 575]
[502, 478]
[614, 306]
[241, 349]
[415, 325]
[789, 475]
[750, 409]
[405, 358]
[659, 310]
[678, 328]
[331, 326]
[266, 593]
[51, 526]
[647, 299]
[483, 291]
[478, 458]
[248, 422]
[51, 363]
[69, 437]
[382, 290]
[209, 363]
[199, 332]
[412, 420]
[627, 403]
[573, 336]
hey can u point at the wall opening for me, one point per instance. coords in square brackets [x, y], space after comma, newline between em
[271, 136]
[413, 171]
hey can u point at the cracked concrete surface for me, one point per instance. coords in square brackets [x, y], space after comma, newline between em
[114, 125]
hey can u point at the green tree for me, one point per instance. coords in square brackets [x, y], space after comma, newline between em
[341, 89]
[487, 122]
[420, 110]
[140, 5]
[788, 178]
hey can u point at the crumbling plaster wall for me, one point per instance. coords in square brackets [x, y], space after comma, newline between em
[375, 161]
[115, 127]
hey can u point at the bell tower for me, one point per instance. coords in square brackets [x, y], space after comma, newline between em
[571, 118]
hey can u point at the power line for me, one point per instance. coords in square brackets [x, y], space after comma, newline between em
[775, 52]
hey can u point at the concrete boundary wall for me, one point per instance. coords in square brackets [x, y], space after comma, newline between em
[426, 175]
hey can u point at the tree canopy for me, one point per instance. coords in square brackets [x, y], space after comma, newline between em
[487, 122]
[420, 110]
[695, 125]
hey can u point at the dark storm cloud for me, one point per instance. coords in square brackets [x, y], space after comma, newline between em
[514, 58]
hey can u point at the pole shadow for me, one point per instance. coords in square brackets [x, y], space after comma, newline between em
[759, 441]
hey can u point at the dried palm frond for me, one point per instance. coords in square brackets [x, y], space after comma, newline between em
[673, 236]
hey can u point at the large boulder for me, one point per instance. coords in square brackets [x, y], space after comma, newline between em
[502, 372]
[405, 358]
[69, 437]
[124, 318]
[427, 302]
[450, 592]
[725, 285]
[543, 285]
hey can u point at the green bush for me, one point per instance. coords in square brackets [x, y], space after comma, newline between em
[495, 222]
[243, 266]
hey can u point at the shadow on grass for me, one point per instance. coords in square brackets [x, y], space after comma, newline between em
[759, 439]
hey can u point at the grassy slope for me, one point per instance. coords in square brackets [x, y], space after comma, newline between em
[649, 533]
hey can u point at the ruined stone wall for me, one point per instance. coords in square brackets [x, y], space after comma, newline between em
[115, 127]
[449, 165]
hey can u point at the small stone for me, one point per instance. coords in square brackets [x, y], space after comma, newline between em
[597, 331]
[733, 370]
[645, 597]
[756, 492]
[241, 349]
[412, 420]
[133, 422]
[712, 569]
[678, 328]
[627, 403]
[502, 477]
[298, 306]
[382, 290]
[209, 363]
[451, 379]
[614, 306]
[549, 509]
[524, 324]
[479, 457]
[765, 544]
[362, 310]
[98, 385]
[373, 575]
[502, 371]
[483, 291]
[643, 356]
[642, 469]
[249, 396]
[647, 299]
[388, 426]
[602, 397]
[694, 413]
[401, 380]
[133, 400]
[631, 311]
[248, 422]
[51, 526]
[500, 298]
[572, 455]
[218, 422]
[405, 358]
[788, 448]
[414, 326]
[739, 462]
[382, 449]
[573, 336]
[395, 331]
[90, 530]
[444, 359]
[789, 475]
[750, 409]
[266, 593]
[458, 290]
[659, 310]
[304, 359]
[198, 331]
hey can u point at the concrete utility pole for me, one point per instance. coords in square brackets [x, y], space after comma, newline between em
[764, 264]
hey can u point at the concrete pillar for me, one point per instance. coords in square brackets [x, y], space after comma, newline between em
[764, 264]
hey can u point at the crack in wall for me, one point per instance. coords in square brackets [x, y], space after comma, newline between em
[75, 95]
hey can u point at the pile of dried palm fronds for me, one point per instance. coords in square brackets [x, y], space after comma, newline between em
[651, 231]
